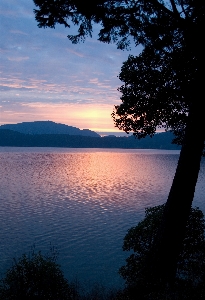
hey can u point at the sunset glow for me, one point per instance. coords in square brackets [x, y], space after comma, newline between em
[84, 116]
[45, 77]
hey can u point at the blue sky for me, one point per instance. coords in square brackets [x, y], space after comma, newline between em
[44, 76]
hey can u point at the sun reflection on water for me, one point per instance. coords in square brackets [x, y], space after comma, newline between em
[82, 201]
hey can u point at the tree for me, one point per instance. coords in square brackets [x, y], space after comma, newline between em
[156, 94]
[35, 276]
[171, 33]
[152, 94]
[190, 264]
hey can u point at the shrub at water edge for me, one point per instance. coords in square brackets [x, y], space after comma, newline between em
[35, 276]
[190, 276]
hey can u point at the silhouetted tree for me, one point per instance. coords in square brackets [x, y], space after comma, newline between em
[159, 91]
[171, 32]
[35, 276]
[153, 94]
[190, 264]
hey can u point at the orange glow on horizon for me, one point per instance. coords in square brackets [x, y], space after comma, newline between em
[96, 117]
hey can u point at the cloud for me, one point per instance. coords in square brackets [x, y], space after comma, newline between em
[75, 52]
[77, 89]
[18, 58]
[18, 32]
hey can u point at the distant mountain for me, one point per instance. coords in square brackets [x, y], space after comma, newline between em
[16, 139]
[48, 127]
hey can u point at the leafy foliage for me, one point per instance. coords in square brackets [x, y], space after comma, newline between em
[139, 240]
[152, 95]
[145, 21]
[35, 277]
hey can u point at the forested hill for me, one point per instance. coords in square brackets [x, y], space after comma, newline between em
[48, 127]
[16, 139]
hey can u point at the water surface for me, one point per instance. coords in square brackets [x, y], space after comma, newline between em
[82, 201]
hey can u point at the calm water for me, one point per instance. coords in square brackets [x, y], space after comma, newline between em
[82, 201]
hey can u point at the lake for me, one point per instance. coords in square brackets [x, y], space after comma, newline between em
[81, 201]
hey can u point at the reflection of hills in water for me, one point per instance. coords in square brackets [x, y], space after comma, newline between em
[50, 134]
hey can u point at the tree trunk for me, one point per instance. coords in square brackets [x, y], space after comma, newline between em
[181, 195]
[163, 263]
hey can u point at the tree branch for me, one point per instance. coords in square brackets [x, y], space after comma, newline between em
[175, 11]
[171, 13]
[183, 9]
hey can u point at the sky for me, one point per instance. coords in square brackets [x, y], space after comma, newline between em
[43, 76]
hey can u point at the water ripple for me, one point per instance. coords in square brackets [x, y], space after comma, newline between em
[83, 202]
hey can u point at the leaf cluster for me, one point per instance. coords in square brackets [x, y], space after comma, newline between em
[139, 240]
[153, 94]
[35, 276]
[155, 22]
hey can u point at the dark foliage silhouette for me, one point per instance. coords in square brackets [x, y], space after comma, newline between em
[190, 275]
[35, 276]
